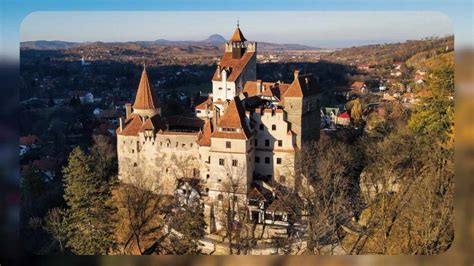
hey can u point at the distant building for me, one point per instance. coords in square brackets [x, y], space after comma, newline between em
[343, 119]
[358, 87]
[84, 96]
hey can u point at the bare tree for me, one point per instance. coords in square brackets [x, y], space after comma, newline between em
[143, 212]
[323, 197]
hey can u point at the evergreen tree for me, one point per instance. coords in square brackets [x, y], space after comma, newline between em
[90, 227]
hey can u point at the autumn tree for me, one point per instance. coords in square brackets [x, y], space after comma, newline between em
[55, 223]
[324, 193]
[142, 214]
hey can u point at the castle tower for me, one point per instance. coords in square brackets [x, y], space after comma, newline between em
[302, 104]
[237, 66]
[146, 103]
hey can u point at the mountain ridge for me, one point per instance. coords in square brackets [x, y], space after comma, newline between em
[212, 40]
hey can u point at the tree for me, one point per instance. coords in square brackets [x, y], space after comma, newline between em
[90, 223]
[409, 197]
[142, 214]
[55, 224]
[190, 224]
[324, 193]
[356, 110]
[104, 156]
[434, 114]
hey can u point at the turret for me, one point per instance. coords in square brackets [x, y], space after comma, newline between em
[146, 103]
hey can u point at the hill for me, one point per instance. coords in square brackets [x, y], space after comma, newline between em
[213, 40]
[388, 53]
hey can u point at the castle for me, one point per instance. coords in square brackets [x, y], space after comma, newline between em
[243, 137]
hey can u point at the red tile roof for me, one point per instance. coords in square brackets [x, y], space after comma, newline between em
[237, 36]
[235, 66]
[131, 126]
[251, 88]
[145, 98]
[302, 86]
[29, 140]
[234, 117]
[357, 85]
[344, 115]
[205, 136]
[207, 104]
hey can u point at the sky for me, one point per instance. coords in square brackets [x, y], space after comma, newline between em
[13, 12]
[320, 29]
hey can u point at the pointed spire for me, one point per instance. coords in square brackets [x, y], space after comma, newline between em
[238, 36]
[145, 98]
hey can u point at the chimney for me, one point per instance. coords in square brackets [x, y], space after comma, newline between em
[128, 109]
[121, 123]
[215, 118]
[219, 71]
[259, 86]
[296, 73]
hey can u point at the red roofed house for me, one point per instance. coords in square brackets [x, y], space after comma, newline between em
[358, 87]
[343, 119]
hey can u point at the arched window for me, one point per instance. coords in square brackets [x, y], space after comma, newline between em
[220, 197]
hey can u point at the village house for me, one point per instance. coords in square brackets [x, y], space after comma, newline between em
[247, 131]
[343, 119]
[358, 87]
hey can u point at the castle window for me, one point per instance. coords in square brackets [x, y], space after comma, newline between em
[219, 180]
[191, 145]
[234, 162]
[221, 161]
[135, 165]
[220, 88]
[261, 126]
[220, 197]
[177, 143]
[228, 144]
[153, 143]
[257, 159]
[267, 142]
[207, 176]
[256, 142]
[183, 145]
[280, 143]
[278, 160]
[208, 159]
[133, 151]
[166, 170]
[274, 127]
[267, 160]
[207, 189]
